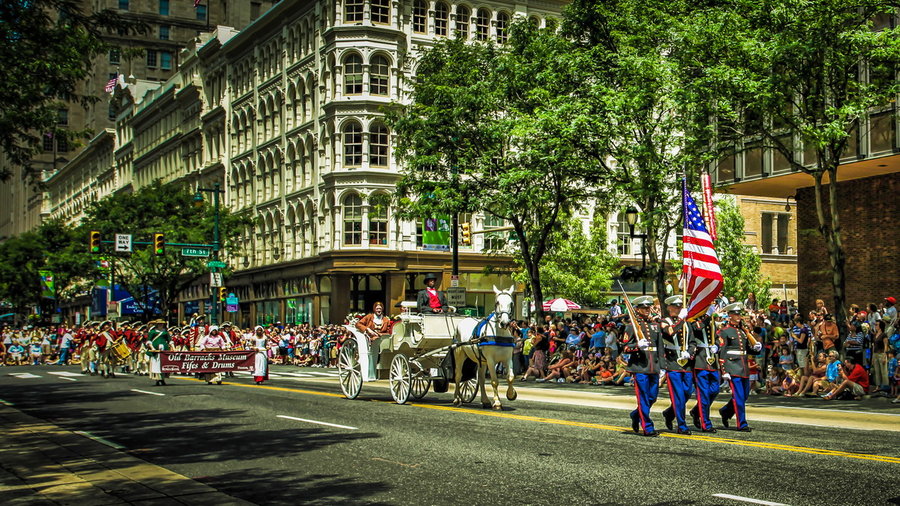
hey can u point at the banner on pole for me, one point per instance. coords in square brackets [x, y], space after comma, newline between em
[191, 362]
[436, 233]
[48, 287]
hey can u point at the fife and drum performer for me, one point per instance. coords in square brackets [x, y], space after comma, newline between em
[678, 349]
[259, 344]
[159, 341]
[737, 340]
[643, 340]
[706, 372]
[212, 342]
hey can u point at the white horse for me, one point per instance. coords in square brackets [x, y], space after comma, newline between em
[494, 345]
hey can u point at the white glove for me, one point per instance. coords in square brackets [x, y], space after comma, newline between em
[643, 344]
[714, 348]
[683, 313]
[726, 376]
[685, 355]
[757, 346]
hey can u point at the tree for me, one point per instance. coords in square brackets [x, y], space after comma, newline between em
[495, 129]
[740, 265]
[171, 210]
[47, 51]
[792, 76]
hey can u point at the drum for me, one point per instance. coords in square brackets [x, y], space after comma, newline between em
[120, 351]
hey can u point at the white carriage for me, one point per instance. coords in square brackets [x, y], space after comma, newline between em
[411, 358]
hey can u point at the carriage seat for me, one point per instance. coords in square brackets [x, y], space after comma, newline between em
[407, 314]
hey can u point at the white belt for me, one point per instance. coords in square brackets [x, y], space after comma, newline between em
[733, 352]
[647, 349]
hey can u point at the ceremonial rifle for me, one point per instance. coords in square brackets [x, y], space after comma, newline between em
[631, 313]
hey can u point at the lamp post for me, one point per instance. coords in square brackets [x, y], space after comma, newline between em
[198, 198]
[631, 216]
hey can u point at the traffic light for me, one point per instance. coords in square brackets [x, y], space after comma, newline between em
[466, 232]
[95, 241]
[159, 244]
[223, 293]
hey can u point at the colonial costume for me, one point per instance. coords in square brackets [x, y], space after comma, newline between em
[212, 342]
[261, 365]
[159, 341]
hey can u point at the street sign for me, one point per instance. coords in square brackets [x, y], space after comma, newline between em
[194, 252]
[215, 279]
[232, 300]
[123, 243]
[456, 296]
[215, 264]
[454, 280]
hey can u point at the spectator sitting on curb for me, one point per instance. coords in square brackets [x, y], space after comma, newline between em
[855, 380]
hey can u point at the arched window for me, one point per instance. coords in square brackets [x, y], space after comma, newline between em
[379, 139]
[352, 220]
[482, 23]
[353, 146]
[381, 11]
[462, 22]
[535, 21]
[353, 11]
[378, 219]
[441, 19]
[353, 74]
[420, 17]
[378, 75]
[502, 27]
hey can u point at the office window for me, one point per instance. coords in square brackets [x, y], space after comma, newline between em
[201, 12]
[48, 142]
[441, 19]
[381, 11]
[482, 23]
[62, 117]
[352, 220]
[462, 22]
[151, 58]
[378, 76]
[123, 5]
[623, 236]
[353, 74]
[495, 240]
[775, 233]
[378, 146]
[62, 144]
[114, 56]
[163, 7]
[353, 11]
[163, 32]
[254, 9]
[353, 145]
[420, 17]
[165, 60]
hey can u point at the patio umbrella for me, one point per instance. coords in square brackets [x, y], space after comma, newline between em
[560, 305]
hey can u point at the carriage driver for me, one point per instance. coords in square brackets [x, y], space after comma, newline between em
[374, 324]
[430, 299]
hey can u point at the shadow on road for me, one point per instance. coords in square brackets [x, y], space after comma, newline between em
[285, 487]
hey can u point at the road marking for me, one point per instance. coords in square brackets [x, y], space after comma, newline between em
[749, 499]
[297, 374]
[100, 440]
[841, 411]
[146, 392]
[315, 421]
[67, 379]
[413, 466]
[24, 375]
[64, 373]
[329, 374]
[554, 421]
[6, 403]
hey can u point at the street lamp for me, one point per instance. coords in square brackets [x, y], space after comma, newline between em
[198, 200]
[631, 216]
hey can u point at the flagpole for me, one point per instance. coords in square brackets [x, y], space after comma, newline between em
[685, 293]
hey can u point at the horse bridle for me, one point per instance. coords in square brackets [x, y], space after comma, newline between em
[497, 312]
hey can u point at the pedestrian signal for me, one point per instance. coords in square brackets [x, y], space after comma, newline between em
[95, 241]
[223, 293]
[466, 232]
[159, 244]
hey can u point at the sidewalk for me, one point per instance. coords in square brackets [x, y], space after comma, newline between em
[41, 463]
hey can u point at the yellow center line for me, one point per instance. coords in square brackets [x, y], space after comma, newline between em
[589, 425]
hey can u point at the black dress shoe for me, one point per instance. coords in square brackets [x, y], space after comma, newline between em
[652, 433]
[635, 424]
[745, 429]
[686, 432]
[695, 419]
[668, 417]
[711, 431]
[725, 420]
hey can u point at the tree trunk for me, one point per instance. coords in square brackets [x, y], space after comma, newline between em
[830, 230]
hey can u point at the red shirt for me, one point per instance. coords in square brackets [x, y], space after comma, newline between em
[859, 376]
[433, 299]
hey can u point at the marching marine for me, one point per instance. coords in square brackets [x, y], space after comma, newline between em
[736, 342]
[643, 339]
[706, 372]
[678, 349]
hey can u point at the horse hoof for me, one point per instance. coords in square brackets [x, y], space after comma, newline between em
[456, 402]
[498, 408]
[512, 395]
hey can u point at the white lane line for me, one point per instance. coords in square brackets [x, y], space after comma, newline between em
[6, 403]
[24, 375]
[841, 411]
[146, 392]
[297, 374]
[100, 440]
[64, 373]
[330, 374]
[314, 421]
[67, 379]
[748, 499]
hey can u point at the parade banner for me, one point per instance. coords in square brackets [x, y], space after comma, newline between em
[190, 362]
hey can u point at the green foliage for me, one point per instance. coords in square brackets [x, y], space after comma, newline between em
[169, 209]
[739, 263]
[47, 50]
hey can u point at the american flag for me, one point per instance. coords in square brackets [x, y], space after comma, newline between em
[703, 278]
[111, 84]
[197, 3]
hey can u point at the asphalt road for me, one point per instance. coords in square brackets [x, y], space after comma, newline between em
[272, 445]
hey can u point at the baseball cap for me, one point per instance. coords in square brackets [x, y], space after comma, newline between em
[891, 300]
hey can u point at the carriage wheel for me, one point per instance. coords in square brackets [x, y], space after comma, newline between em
[400, 379]
[350, 370]
[420, 384]
[468, 390]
